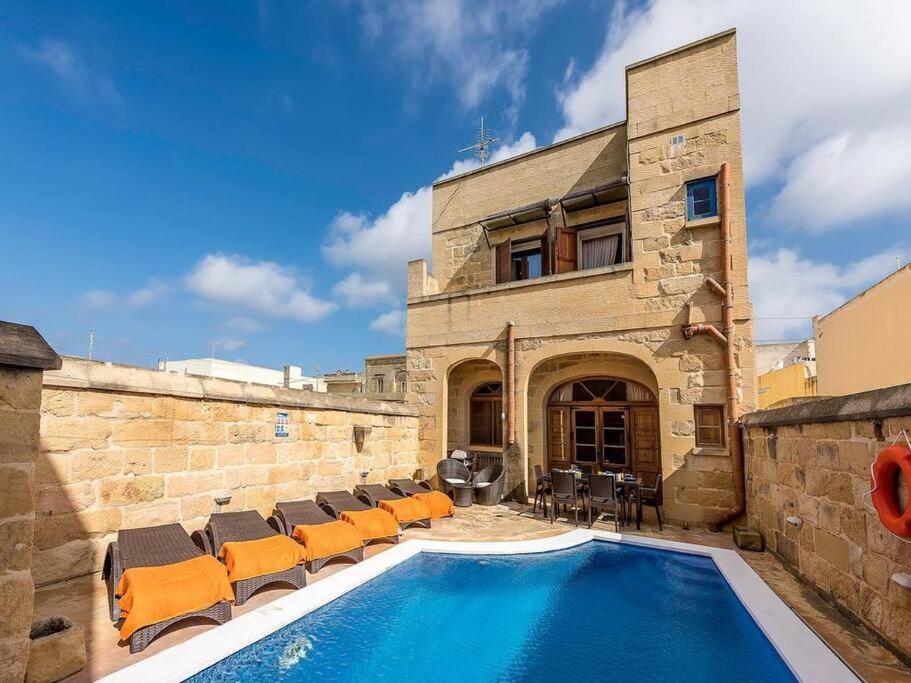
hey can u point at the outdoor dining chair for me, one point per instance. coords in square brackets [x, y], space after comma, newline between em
[602, 496]
[651, 495]
[565, 492]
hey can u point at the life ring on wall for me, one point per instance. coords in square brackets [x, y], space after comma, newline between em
[889, 462]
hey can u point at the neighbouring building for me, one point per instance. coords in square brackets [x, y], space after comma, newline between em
[344, 382]
[290, 377]
[785, 372]
[385, 376]
[589, 277]
[863, 344]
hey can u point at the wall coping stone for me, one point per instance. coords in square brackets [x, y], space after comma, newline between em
[878, 403]
[23, 346]
[78, 373]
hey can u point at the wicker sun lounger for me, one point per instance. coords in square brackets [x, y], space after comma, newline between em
[288, 515]
[408, 487]
[247, 525]
[153, 547]
[374, 493]
[337, 502]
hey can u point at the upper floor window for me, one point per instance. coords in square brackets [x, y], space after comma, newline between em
[379, 384]
[401, 382]
[522, 260]
[701, 199]
[599, 247]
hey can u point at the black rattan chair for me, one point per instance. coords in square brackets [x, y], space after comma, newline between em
[288, 515]
[602, 496]
[542, 489]
[337, 502]
[652, 495]
[451, 472]
[408, 487]
[565, 492]
[245, 525]
[488, 485]
[153, 547]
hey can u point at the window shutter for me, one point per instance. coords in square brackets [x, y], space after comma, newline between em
[504, 252]
[566, 250]
[545, 254]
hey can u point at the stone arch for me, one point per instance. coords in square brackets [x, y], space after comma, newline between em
[542, 377]
[462, 378]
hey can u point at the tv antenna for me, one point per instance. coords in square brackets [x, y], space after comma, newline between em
[483, 142]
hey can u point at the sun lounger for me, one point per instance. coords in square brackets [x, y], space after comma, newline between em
[149, 547]
[237, 528]
[305, 513]
[439, 504]
[378, 525]
[407, 512]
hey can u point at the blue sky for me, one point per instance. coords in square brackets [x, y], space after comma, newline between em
[257, 173]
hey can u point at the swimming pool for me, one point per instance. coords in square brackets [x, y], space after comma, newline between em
[568, 607]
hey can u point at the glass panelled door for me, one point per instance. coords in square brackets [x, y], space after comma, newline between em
[600, 437]
[585, 433]
[614, 452]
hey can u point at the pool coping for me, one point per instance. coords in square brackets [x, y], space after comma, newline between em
[807, 656]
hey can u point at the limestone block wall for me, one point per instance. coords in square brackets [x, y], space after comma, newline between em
[20, 397]
[812, 461]
[124, 447]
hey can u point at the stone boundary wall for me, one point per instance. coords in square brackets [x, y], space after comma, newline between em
[812, 461]
[125, 447]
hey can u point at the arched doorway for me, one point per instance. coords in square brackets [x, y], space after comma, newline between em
[475, 407]
[603, 423]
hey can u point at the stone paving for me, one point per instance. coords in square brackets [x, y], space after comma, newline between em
[84, 600]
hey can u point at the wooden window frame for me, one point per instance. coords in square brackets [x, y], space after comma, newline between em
[496, 417]
[697, 413]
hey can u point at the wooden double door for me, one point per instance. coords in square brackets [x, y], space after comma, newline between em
[605, 438]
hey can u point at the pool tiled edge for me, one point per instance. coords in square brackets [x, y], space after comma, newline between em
[807, 656]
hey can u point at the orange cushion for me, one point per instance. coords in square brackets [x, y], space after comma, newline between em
[439, 504]
[325, 540]
[405, 509]
[153, 594]
[248, 559]
[372, 524]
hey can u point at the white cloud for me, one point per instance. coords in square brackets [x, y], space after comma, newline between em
[788, 290]
[357, 291]
[383, 246]
[232, 344]
[810, 72]
[474, 45]
[67, 64]
[392, 322]
[845, 178]
[106, 300]
[100, 299]
[263, 286]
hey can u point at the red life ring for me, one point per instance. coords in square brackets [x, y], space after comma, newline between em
[883, 487]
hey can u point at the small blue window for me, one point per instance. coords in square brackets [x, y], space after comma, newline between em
[701, 199]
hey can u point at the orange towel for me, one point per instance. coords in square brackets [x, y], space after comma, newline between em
[153, 594]
[439, 504]
[372, 524]
[405, 509]
[331, 538]
[247, 559]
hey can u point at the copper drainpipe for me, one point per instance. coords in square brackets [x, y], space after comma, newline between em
[511, 380]
[725, 291]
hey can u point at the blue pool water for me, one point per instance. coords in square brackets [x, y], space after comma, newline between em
[602, 611]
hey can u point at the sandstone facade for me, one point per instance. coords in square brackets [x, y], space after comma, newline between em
[816, 467]
[623, 320]
[126, 447]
